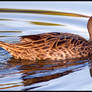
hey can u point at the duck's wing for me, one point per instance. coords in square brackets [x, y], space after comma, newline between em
[38, 39]
[51, 40]
[30, 38]
[68, 39]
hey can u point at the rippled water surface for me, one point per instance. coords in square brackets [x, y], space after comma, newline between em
[27, 18]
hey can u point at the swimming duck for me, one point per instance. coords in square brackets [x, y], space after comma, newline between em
[51, 46]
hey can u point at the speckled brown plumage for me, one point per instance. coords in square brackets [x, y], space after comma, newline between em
[49, 46]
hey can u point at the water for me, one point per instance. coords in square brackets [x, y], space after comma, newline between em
[27, 18]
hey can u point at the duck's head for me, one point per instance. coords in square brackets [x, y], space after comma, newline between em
[89, 26]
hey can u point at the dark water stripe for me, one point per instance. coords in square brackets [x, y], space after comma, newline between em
[46, 23]
[7, 36]
[46, 12]
[10, 31]
[5, 19]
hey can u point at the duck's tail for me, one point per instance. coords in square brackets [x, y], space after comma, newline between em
[11, 48]
[6, 46]
[17, 51]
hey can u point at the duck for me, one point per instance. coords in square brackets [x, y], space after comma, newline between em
[51, 46]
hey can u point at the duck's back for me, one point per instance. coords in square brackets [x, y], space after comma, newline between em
[56, 46]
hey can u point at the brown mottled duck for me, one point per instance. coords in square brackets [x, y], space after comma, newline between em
[51, 46]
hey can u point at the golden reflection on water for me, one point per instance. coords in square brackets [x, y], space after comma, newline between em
[5, 19]
[46, 12]
[46, 24]
[30, 11]
[35, 23]
[10, 31]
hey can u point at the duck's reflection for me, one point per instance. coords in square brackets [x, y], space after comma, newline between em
[42, 71]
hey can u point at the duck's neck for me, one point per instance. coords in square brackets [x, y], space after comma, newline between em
[89, 26]
[90, 38]
[90, 34]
